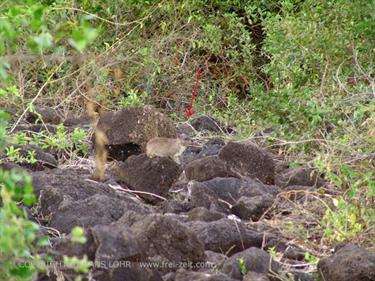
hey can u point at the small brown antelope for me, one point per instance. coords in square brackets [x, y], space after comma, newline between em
[165, 147]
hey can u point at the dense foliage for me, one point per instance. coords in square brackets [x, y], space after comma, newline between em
[302, 69]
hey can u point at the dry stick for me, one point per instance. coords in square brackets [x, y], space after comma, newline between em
[239, 233]
[360, 69]
[36, 96]
[103, 19]
[323, 78]
[138, 192]
[338, 81]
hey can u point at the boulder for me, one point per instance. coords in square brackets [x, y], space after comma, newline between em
[300, 177]
[43, 159]
[226, 235]
[95, 210]
[45, 114]
[184, 275]
[154, 175]
[348, 263]
[231, 189]
[194, 152]
[207, 168]
[255, 276]
[116, 242]
[249, 160]
[201, 196]
[69, 197]
[165, 239]
[252, 207]
[176, 206]
[207, 123]
[250, 260]
[134, 126]
[202, 214]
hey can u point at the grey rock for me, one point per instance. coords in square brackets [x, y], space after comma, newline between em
[253, 259]
[94, 210]
[349, 263]
[136, 125]
[45, 114]
[207, 168]
[154, 175]
[226, 235]
[252, 207]
[299, 177]
[255, 276]
[249, 160]
[202, 214]
[184, 275]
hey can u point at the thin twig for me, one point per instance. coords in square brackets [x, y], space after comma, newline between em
[36, 96]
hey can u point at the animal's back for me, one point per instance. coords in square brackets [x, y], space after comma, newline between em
[163, 147]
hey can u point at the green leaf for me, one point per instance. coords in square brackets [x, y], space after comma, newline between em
[26, 271]
[37, 20]
[4, 66]
[82, 36]
[78, 235]
[43, 40]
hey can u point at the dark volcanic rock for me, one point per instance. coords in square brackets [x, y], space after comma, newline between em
[250, 188]
[116, 242]
[226, 189]
[252, 207]
[183, 275]
[164, 238]
[135, 125]
[127, 273]
[206, 123]
[62, 189]
[121, 152]
[7, 166]
[254, 259]
[185, 129]
[155, 175]
[255, 276]
[212, 147]
[299, 176]
[42, 158]
[36, 128]
[202, 214]
[201, 196]
[176, 206]
[207, 168]
[231, 189]
[301, 276]
[288, 250]
[219, 194]
[94, 210]
[65, 246]
[249, 160]
[83, 121]
[349, 263]
[225, 234]
[214, 259]
[45, 114]
[115, 251]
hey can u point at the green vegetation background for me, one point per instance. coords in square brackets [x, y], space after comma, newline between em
[302, 69]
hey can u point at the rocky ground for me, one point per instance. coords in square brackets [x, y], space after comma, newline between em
[212, 217]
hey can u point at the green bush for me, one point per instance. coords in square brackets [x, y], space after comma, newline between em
[305, 69]
[31, 29]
